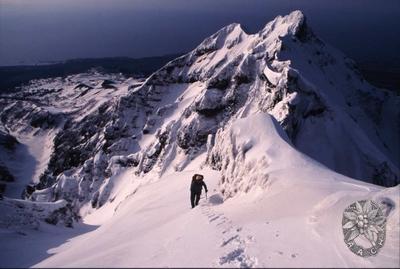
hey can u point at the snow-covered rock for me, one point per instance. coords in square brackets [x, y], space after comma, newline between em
[292, 132]
[328, 111]
[20, 215]
[248, 149]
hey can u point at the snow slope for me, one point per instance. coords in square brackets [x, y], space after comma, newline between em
[103, 123]
[292, 221]
[274, 114]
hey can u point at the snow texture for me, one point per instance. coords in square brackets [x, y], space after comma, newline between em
[292, 132]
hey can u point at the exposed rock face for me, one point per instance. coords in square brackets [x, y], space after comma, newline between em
[327, 110]
[8, 144]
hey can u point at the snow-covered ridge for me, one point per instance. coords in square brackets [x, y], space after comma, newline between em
[289, 216]
[282, 126]
[104, 126]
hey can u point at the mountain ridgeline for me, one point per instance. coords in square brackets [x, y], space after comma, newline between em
[99, 124]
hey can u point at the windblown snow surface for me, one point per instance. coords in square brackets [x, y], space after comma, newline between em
[293, 220]
[273, 134]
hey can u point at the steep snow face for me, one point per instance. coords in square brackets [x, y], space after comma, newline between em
[291, 218]
[248, 150]
[102, 125]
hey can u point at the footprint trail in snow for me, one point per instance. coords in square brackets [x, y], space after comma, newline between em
[234, 241]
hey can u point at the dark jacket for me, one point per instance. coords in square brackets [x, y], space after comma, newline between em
[197, 185]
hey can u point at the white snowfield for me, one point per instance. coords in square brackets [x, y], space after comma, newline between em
[293, 220]
[266, 118]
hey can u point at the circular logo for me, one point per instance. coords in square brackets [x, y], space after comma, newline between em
[364, 227]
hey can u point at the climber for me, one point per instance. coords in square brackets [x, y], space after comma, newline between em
[195, 189]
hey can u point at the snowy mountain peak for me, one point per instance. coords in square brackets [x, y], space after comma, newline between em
[227, 37]
[284, 25]
[97, 126]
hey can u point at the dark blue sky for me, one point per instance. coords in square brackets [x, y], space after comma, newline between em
[33, 31]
